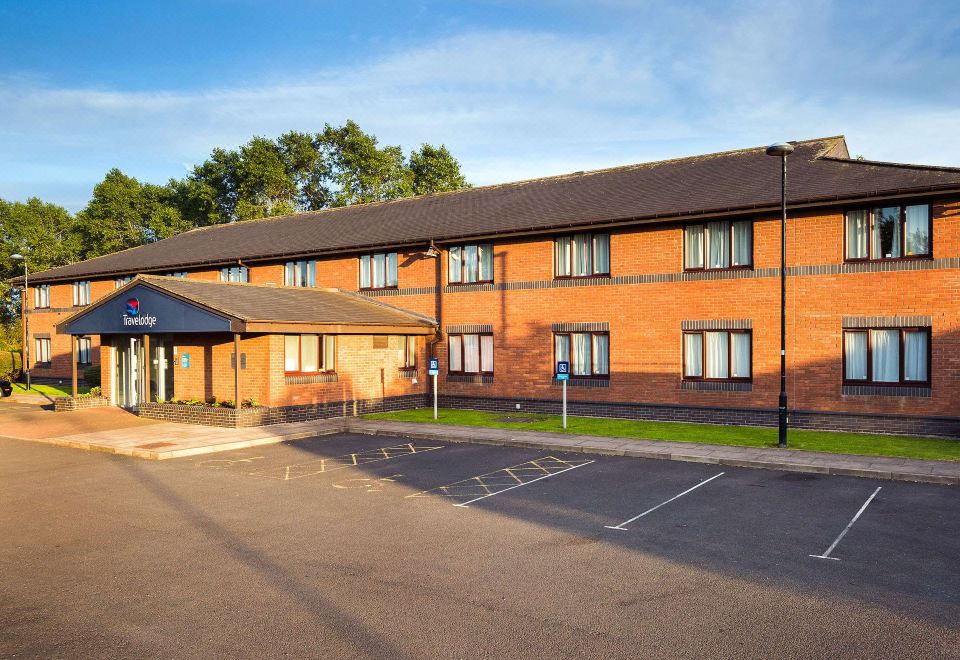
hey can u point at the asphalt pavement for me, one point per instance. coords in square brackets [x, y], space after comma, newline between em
[360, 546]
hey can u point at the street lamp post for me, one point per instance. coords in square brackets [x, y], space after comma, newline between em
[23, 312]
[782, 149]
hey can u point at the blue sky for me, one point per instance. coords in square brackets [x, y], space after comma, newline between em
[515, 90]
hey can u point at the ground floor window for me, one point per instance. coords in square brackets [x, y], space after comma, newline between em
[309, 354]
[42, 346]
[409, 352]
[717, 355]
[84, 350]
[587, 352]
[894, 356]
[471, 354]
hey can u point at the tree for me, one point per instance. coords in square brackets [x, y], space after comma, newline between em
[435, 170]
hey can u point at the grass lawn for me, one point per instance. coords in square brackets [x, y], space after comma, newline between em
[829, 441]
[49, 390]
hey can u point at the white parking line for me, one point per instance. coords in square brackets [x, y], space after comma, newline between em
[621, 527]
[525, 483]
[826, 555]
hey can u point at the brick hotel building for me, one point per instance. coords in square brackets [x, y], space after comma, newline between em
[659, 282]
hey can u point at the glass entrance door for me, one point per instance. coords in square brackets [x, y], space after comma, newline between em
[161, 368]
[129, 371]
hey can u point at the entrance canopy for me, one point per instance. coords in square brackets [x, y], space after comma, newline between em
[151, 304]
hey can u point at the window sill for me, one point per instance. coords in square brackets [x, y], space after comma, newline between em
[379, 288]
[919, 391]
[717, 270]
[582, 382]
[305, 379]
[716, 385]
[595, 276]
[475, 379]
[915, 257]
[407, 372]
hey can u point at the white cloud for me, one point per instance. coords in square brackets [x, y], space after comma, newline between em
[518, 104]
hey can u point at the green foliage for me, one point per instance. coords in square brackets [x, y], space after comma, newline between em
[91, 376]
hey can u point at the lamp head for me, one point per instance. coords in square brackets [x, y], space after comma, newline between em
[17, 257]
[780, 149]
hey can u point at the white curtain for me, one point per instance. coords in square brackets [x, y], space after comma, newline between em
[601, 355]
[364, 271]
[329, 352]
[693, 355]
[918, 230]
[453, 274]
[915, 355]
[471, 263]
[291, 353]
[486, 353]
[718, 244]
[855, 354]
[456, 364]
[740, 350]
[601, 253]
[486, 262]
[391, 269]
[379, 270]
[718, 355]
[561, 348]
[693, 247]
[857, 234]
[743, 243]
[886, 232]
[581, 354]
[561, 256]
[886, 355]
[471, 353]
[581, 255]
[312, 273]
[309, 352]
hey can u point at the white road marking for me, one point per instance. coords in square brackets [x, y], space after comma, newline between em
[621, 527]
[826, 555]
[546, 476]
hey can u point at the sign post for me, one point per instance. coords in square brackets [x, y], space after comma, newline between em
[434, 370]
[563, 375]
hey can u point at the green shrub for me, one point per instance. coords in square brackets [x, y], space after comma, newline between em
[91, 375]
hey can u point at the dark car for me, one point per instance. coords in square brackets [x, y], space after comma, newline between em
[6, 389]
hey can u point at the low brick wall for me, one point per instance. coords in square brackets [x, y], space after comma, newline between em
[803, 419]
[261, 415]
[68, 403]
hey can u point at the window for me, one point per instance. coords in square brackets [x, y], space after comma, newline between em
[300, 273]
[470, 263]
[121, 281]
[717, 355]
[84, 350]
[41, 296]
[81, 293]
[581, 255]
[409, 352]
[235, 274]
[887, 356]
[378, 271]
[471, 354]
[717, 245]
[891, 232]
[587, 352]
[42, 345]
[180, 274]
[309, 354]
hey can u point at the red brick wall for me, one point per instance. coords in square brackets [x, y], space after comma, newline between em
[645, 320]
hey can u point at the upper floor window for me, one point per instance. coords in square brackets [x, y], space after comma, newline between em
[717, 355]
[587, 352]
[81, 293]
[41, 296]
[581, 255]
[470, 263]
[471, 354]
[42, 345]
[308, 354]
[378, 271]
[180, 274]
[235, 274]
[887, 356]
[84, 350]
[120, 281]
[890, 232]
[300, 273]
[716, 245]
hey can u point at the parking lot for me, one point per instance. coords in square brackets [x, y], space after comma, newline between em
[353, 545]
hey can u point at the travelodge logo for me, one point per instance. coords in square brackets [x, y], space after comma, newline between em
[134, 317]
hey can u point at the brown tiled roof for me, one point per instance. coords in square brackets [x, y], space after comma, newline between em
[820, 171]
[273, 304]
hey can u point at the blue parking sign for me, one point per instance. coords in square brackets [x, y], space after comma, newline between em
[434, 368]
[563, 370]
